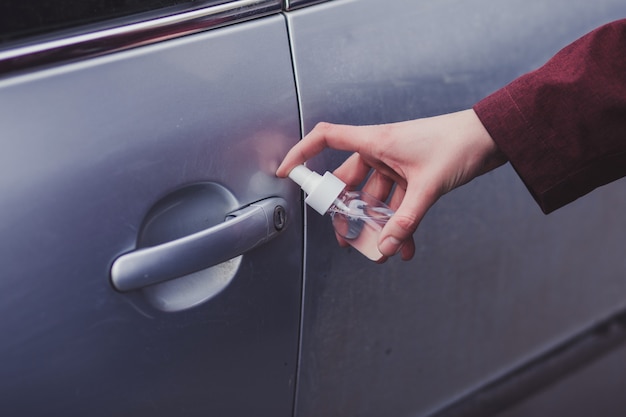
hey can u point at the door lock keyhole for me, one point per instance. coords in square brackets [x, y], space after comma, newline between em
[280, 217]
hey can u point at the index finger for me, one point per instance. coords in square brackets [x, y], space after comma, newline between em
[324, 135]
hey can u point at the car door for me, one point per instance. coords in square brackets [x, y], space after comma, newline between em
[151, 261]
[498, 294]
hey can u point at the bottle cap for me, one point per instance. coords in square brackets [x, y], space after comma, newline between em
[321, 191]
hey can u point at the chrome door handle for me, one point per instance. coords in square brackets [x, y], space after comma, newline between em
[243, 230]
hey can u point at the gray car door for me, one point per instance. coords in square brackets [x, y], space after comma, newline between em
[150, 260]
[494, 284]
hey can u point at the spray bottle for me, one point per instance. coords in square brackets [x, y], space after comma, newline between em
[356, 216]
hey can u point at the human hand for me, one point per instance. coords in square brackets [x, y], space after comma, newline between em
[424, 158]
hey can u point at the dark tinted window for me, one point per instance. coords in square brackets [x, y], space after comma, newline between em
[21, 19]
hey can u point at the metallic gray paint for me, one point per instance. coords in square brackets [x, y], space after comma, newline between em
[88, 148]
[494, 282]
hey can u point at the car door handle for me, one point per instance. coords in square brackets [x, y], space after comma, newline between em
[242, 230]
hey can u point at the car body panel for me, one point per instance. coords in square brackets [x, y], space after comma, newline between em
[494, 282]
[89, 147]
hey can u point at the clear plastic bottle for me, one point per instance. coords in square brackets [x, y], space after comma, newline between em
[356, 216]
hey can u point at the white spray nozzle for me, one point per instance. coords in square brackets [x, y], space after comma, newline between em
[305, 178]
[322, 190]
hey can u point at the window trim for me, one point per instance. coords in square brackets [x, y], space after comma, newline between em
[125, 37]
[296, 4]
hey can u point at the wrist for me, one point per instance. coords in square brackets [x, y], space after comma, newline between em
[489, 154]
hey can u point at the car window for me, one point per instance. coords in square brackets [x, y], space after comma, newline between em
[20, 20]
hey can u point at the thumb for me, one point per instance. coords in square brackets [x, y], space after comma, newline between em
[400, 228]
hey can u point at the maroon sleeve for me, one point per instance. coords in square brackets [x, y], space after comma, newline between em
[563, 126]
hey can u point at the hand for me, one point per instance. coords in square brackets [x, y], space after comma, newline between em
[424, 158]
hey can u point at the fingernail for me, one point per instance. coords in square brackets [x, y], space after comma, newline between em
[389, 246]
